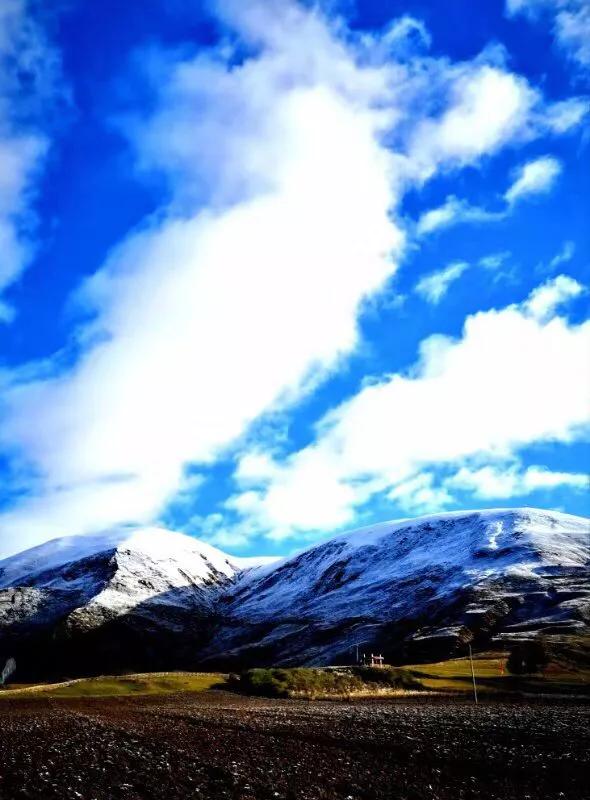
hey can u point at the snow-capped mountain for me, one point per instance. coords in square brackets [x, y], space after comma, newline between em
[414, 588]
[123, 593]
[149, 598]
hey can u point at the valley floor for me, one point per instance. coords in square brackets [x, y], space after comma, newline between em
[215, 745]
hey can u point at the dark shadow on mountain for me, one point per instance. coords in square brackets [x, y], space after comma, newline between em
[175, 630]
[479, 615]
[166, 632]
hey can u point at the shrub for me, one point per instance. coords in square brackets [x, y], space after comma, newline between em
[308, 682]
[266, 682]
[388, 677]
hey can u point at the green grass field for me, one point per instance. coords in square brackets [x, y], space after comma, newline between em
[125, 685]
[562, 675]
[492, 676]
[456, 672]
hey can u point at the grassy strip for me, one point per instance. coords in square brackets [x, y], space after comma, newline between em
[492, 676]
[125, 685]
[454, 675]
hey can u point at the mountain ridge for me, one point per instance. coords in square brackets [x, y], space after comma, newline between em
[149, 597]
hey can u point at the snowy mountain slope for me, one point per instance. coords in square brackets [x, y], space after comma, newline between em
[41, 565]
[150, 598]
[118, 585]
[115, 572]
[418, 584]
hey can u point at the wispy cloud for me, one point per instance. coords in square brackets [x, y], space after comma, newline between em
[534, 177]
[565, 254]
[29, 73]
[286, 151]
[429, 492]
[542, 302]
[495, 260]
[545, 299]
[500, 266]
[433, 287]
[570, 21]
[486, 394]
[420, 494]
[215, 310]
[506, 481]
[454, 212]
[572, 26]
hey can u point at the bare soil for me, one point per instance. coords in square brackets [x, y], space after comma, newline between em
[214, 745]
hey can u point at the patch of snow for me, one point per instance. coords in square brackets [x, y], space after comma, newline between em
[375, 575]
[158, 544]
[133, 566]
[495, 531]
[355, 573]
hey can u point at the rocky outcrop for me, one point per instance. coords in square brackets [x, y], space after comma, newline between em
[412, 589]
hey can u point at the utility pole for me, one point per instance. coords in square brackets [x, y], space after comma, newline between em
[472, 674]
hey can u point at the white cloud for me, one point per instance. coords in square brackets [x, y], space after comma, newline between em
[441, 217]
[285, 168]
[512, 379]
[205, 321]
[254, 467]
[453, 212]
[499, 267]
[563, 256]
[534, 177]
[434, 287]
[512, 481]
[570, 23]
[488, 107]
[566, 115]
[545, 299]
[531, 8]
[405, 33]
[423, 493]
[572, 26]
[419, 494]
[541, 478]
[28, 76]
[495, 260]
[485, 482]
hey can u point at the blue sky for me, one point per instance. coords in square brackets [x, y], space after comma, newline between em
[270, 270]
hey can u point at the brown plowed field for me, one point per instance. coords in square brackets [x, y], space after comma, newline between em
[215, 745]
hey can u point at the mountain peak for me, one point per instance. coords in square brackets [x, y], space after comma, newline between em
[154, 598]
[158, 544]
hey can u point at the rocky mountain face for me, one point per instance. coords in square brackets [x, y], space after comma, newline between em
[412, 589]
[128, 599]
